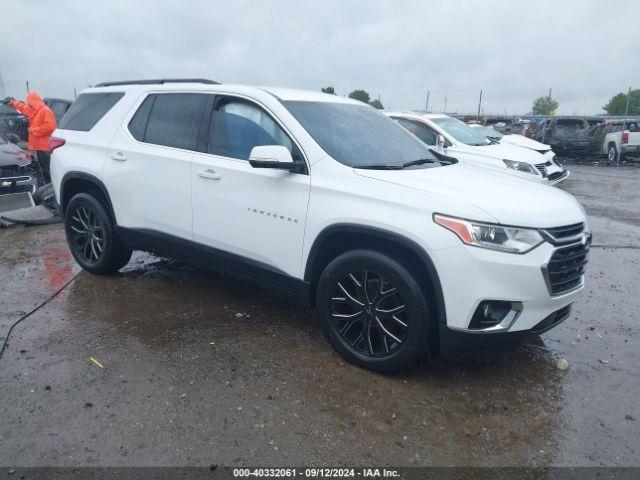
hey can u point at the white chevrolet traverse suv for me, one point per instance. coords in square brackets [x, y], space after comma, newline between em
[470, 145]
[403, 252]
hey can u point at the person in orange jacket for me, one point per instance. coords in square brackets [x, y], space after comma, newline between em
[42, 123]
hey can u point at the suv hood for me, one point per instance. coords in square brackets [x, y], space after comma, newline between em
[510, 200]
[503, 151]
[522, 141]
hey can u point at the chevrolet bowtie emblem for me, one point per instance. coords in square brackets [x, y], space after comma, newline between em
[6, 184]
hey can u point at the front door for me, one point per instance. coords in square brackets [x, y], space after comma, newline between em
[253, 218]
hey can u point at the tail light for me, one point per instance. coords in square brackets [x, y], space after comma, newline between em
[625, 137]
[55, 143]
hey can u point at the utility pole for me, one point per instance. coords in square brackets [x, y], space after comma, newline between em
[27, 82]
[544, 127]
[445, 105]
[624, 120]
[75, 93]
[479, 105]
[426, 107]
[626, 110]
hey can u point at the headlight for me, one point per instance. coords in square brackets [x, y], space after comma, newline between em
[520, 166]
[494, 237]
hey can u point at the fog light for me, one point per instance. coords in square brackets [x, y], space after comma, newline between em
[490, 313]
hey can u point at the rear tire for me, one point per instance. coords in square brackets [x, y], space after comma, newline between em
[92, 237]
[373, 312]
[612, 153]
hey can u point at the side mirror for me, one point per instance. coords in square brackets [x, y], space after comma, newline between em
[271, 156]
[440, 143]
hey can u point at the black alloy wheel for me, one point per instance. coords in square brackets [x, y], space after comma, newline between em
[92, 237]
[86, 234]
[374, 312]
[369, 313]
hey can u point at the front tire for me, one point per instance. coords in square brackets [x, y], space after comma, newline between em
[92, 237]
[373, 312]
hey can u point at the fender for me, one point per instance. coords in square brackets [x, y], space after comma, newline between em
[388, 236]
[95, 181]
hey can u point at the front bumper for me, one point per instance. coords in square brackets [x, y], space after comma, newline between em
[454, 341]
[471, 275]
[571, 147]
[559, 177]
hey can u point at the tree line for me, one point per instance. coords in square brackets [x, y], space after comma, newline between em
[545, 105]
[361, 95]
[615, 106]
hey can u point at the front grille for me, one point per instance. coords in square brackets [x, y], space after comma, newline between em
[542, 168]
[565, 269]
[560, 234]
[9, 171]
[16, 189]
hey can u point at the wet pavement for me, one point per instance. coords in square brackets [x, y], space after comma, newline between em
[200, 370]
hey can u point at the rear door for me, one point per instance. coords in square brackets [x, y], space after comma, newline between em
[255, 214]
[148, 169]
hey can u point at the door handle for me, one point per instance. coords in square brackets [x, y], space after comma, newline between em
[209, 174]
[118, 157]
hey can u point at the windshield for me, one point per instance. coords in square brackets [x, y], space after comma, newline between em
[461, 131]
[359, 136]
[488, 132]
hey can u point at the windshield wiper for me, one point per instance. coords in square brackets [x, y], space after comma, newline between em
[420, 161]
[379, 167]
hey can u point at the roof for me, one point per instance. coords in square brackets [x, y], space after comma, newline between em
[305, 95]
[282, 94]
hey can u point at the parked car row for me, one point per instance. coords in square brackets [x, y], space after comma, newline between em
[404, 249]
[475, 144]
[574, 136]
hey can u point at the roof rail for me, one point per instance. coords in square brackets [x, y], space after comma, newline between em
[158, 81]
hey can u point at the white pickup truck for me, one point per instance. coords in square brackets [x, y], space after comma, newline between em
[619, 143]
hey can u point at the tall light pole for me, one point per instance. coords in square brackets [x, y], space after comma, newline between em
[624, 120]
[544, 127]
[479, 105]
[426, 107]
[626, 109]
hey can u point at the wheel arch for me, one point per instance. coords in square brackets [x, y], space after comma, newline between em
[337, 239]
[79, 182]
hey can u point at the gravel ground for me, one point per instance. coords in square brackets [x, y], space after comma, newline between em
[199, 370]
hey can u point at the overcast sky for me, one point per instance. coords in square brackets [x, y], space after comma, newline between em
[513, 50]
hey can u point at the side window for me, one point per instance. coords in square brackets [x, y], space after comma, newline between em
[174, 120]
[423, 133]
[237, 127]
[88, 109]
[138, 124]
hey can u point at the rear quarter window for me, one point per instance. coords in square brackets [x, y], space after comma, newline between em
[174, 120]
[88, 109]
